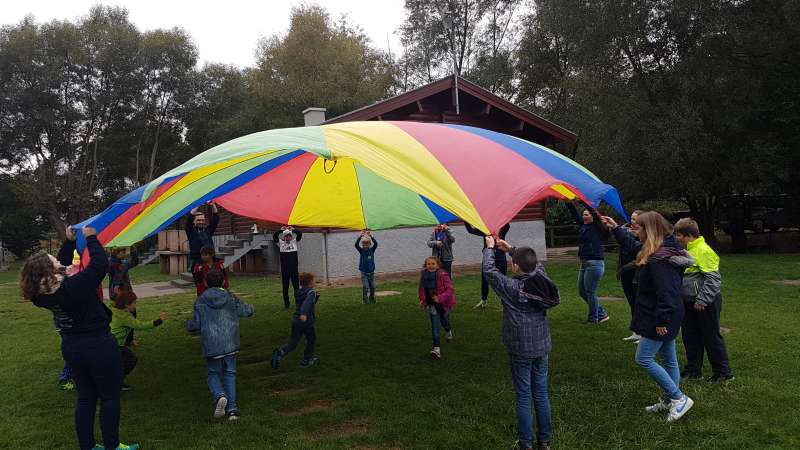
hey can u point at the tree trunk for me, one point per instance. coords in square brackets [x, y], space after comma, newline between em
[703, 210]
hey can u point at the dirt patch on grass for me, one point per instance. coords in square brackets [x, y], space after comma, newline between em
[370, 447]
[723, 330]
[612, 298]
[387, 293]
[786, 282]
[311, 408]
[340, 430]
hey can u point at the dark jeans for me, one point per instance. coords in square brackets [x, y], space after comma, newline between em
[627, 278]
[129, 360]
[289, 273]
[701, 334]
[502, 265]
[530, 383]
[299, 330]
[438, 317]
[97, 370]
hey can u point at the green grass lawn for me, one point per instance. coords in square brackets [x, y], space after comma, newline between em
[377, 387]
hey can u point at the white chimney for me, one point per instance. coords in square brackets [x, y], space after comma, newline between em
[314, 116]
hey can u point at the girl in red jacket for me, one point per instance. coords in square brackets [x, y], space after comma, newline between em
[436, 295]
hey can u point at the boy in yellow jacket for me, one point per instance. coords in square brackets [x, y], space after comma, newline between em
[702, 298]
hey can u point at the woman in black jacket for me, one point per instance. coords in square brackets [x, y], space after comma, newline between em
[86, 340]
[626, 271]
[659, 310]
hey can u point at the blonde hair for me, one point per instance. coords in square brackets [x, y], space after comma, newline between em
[654, 229]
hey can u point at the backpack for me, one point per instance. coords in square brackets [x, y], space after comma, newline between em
[540, 291]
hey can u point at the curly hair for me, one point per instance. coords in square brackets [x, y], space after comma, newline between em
[37, 271]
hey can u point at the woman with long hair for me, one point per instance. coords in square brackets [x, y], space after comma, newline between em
[86, 340]
[658, 311]
[592, 236]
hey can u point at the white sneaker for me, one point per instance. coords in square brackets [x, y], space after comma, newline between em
[219, 407]
[450, 335]
[436, 353]
[481, 304]
[633, 337]
[661, 406]
[680, 407]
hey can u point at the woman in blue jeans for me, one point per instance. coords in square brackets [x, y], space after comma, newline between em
[659, 311]
[86, 341]
[592, 236]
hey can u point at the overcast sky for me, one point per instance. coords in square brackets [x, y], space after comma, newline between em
[225, 31]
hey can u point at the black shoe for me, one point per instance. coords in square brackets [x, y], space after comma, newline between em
[233, 415]
[721, 378]
[544, 446]
[691, 376]
[125, 387]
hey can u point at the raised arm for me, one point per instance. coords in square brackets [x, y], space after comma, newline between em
[212, 224]
[626, 240]
[90, 277]
[297, 234]
[374, 242]
[67, 250]
[473, 230]
[573, 211]
[499, 282]
[449, 236]
[276, 236]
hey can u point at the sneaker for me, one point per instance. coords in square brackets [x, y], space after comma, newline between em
[605, 318]
[66, 385]
[691, 376]
[436, 353]
[662, 405]
[450, 336]
[680, 407]
[517, 446]
[276, 358]
[481, 304]
[721, 378]
[633, 337]
[544, 446]
[121, 446]
[233, 415]
[309, 362]
[125, 387]
[219, 407]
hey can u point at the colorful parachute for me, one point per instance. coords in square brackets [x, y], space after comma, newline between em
[358, 175]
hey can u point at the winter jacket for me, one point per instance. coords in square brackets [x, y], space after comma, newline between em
[659, 300]
[305, 303]
[216, 316]
[591, 236]
[287, 250]
[74, 304]
[702, 282]
[366, 262]
[123, 322]
[200, 237]
[200, 275]
[444, 290]
[525, 299]
[445, 252]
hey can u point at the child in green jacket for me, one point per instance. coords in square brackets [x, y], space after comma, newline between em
[123, 323]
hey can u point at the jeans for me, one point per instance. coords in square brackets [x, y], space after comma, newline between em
[222, 379]
[701, 334]
[589, 277]
[97, 371]
[289, 273]
[530, 383]
[668, 376]
[368, 284]
[299, 329]
[438, 317]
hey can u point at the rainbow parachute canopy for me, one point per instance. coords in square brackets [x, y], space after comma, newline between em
[357, 175]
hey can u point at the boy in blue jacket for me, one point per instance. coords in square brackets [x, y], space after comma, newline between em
[216, 317]
[366, 244]
[302, 324]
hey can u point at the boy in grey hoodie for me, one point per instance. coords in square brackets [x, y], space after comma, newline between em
[216, 317]
[526, 335]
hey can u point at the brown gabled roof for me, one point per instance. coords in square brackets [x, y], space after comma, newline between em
[371, 112]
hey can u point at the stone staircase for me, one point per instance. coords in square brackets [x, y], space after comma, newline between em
[148, 255]
[230, 252]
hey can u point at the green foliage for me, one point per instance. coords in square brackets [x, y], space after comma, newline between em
[20, 227]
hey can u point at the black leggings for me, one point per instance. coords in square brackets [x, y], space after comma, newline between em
[289, 273]
[97, 370]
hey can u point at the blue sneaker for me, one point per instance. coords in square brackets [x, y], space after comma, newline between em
[309, 362]
[277, 354]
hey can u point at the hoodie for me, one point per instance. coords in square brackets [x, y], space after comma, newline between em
[306, 301]
[216, 316]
